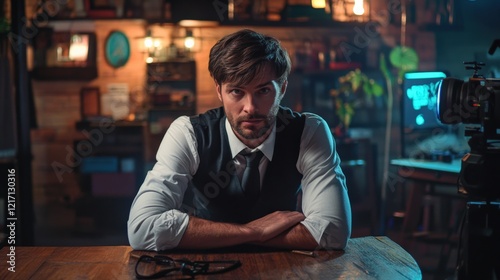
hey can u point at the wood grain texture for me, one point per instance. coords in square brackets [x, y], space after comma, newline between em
[364, 258]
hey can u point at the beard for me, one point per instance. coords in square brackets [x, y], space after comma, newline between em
[254, 132]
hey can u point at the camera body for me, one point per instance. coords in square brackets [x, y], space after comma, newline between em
[475, 102]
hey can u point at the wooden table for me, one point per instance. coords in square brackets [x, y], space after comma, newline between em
[418, 174]
[364, 258]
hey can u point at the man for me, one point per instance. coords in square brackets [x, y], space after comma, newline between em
[197, 195]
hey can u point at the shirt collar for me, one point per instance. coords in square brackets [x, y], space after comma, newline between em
[267, 147]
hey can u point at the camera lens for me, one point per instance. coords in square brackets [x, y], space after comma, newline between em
[457, 102]
[449, 92]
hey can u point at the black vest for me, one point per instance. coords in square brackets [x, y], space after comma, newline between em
[211, 195]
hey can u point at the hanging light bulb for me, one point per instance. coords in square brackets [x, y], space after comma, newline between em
[151, 46]
[148, 40]
[189, 40]
[318, 4]
[358, 8]
[156, 44]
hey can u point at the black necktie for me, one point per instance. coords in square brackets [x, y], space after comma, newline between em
[250, 181]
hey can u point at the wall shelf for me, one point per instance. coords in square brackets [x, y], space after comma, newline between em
[254, 23]
[297, 23]
[65, 73]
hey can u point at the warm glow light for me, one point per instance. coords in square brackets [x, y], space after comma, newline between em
[198, 23]
[189, 40]
[79, 47]
[318, 4]
[152, 47]
[148, 42]
[358, 8]
[151, 43]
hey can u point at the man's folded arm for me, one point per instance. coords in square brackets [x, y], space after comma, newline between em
[155, 223]
[297, 237]
[325, 201]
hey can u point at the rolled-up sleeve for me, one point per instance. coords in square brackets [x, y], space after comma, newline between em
[325, 201]
[155, 223]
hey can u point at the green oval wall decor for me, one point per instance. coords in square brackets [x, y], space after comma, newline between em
[117, 49]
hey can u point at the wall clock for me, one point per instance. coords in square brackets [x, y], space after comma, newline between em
[117, 49]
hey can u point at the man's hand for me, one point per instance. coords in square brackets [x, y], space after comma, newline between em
[274, 224]
[201, 234]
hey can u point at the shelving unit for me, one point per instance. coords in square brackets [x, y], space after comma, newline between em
[110, 171]
[171, 92]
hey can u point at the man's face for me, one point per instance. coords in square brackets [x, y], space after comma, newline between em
[251, 109]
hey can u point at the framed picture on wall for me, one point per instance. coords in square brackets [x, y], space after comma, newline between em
[90, 104]
[65, 55]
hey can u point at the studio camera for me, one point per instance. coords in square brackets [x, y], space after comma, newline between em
[476, 104]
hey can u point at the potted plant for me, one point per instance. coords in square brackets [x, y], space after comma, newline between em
[356, 91]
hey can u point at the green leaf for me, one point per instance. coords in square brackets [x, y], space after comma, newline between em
[368, 89]
[377, 89]
[404, 58]
[349, 110]
[356, 80]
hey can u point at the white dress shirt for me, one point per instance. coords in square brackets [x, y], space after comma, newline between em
[155, 223]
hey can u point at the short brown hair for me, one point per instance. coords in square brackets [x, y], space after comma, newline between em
[238, 57]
